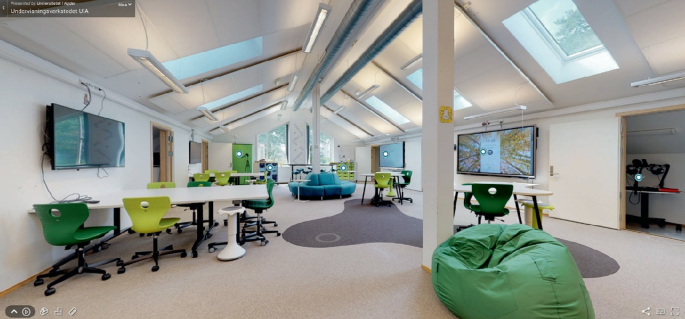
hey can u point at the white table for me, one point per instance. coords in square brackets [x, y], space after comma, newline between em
[394, 175]
[191, 195]
[645, 220]
[519, 189]
[299, 181]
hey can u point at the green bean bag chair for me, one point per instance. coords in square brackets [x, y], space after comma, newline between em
[508, 271]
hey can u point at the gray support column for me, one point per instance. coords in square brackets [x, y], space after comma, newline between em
[316, 121]
[437, 158]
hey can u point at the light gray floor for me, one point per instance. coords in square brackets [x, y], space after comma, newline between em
[373, 280]
[667, 231]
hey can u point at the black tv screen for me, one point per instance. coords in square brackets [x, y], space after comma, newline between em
[507, 152]
[195, 152]
[392, 155]
[81, 140]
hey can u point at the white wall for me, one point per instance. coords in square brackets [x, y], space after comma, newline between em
[363, 163]
[670, 206]
[24, 96]
[220, 156]
[412, 159]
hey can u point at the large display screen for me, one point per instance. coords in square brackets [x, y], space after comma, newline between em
[392, 155]
[508, 152]
[81, 140]
[195, 153]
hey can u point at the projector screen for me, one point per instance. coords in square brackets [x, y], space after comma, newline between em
[508, 152]
[392, 155]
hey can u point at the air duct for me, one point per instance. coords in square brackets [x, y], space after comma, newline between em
[413, 10]
[358, 10]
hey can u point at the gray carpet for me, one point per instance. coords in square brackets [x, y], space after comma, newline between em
[592, 263]
[358, 224]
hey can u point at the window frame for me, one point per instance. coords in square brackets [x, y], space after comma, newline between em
[309, 153]
[266, 145]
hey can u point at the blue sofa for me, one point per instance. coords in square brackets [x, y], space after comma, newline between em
[323, 185]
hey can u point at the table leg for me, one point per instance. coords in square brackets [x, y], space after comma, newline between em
[117, 220]
[211, 217]
[200, 230]
[518, 209]
[366, 178]
[454, 206]
[644, 210]
[537, 212]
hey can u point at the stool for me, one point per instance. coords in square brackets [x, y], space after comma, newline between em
[529, 217]
[233, 250]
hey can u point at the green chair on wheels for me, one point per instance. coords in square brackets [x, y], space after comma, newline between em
[199, 177]
[179, 226]
[223, 178]
[382, 183]
[266, 177]
[492, 199]
[63, 226]
[158, 185]
[147, 215]
[406, 179]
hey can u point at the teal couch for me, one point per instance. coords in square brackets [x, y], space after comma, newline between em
[323, 185]
[509, 271]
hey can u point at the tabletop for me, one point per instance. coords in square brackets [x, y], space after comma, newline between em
[391, 174]
[519, 189]
[181, 195]
[237, 175]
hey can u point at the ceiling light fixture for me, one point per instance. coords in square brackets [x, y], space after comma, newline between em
[660, 80]
[284, 104]
[658, 131]
[511, 109]
[207, 113]
[321, 15]
[293, 82]
[366, 92]
[225, 129]
[148, 61]
[278, 118]
[338, 110]
[412, 62]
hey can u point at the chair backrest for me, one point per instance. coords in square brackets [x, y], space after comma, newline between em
[222, 178]
[146, 212]
[406, 176]
[60, 221]
[382, 179]
[266, 174]
[199, 184]
[199, 177]
[467, 200]
[157, 185]
[492, 203]
[269, 188]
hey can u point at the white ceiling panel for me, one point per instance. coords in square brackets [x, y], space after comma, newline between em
[630, 7]
[168, 103]
[278, 15]
[667, 57]
[658, 24]
[477, 62]
[235, 20]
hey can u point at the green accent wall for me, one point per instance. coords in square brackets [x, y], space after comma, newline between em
[243, 164]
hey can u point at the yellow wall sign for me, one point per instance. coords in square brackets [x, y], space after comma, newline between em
[445, 114]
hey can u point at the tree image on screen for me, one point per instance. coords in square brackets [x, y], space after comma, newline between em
[506, 152]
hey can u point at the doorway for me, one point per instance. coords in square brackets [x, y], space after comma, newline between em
[161, 153]
[205, 155]
[654, 172]
[375, 159]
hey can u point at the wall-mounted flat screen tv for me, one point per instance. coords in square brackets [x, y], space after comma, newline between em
[506, 152]
[392, 155]
[79, 140]
[195, 152]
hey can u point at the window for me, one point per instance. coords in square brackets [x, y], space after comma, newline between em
[557, 35]
[202, 62]
[460, 102]
[326, 148]
[273, 145]
[386, 110]
[233, 97]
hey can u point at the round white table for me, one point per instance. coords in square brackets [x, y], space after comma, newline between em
[299, 181]
[232, 251]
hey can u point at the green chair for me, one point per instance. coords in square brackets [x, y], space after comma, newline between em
[492, 199]
[193, 207]
[158, 185]
[234, 180]
[406, 179]
[201, 177]
[209, 172]
[222, 178]
[147, 215]
[266, 177]
[63, 226]
[382, 182]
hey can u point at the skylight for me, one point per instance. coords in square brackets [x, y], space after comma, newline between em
[233, 97]
[202, 62]
[459, 101]
[386, 110]
[557, 35]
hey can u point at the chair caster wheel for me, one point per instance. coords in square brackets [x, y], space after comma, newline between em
[130, 231]
[97, 249]
[38, 282]
[120, 263]
[275, 225]
[265, 242]
[216, 224]
[155, 268]
[121, 270]
[106, 276]
[225, 223]
[278, 234]
[49, 291]
[180, 230]
[184, 254]
[134, 257]
[142, 235]
[194, 254]
[211, 249]
[168, 231]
